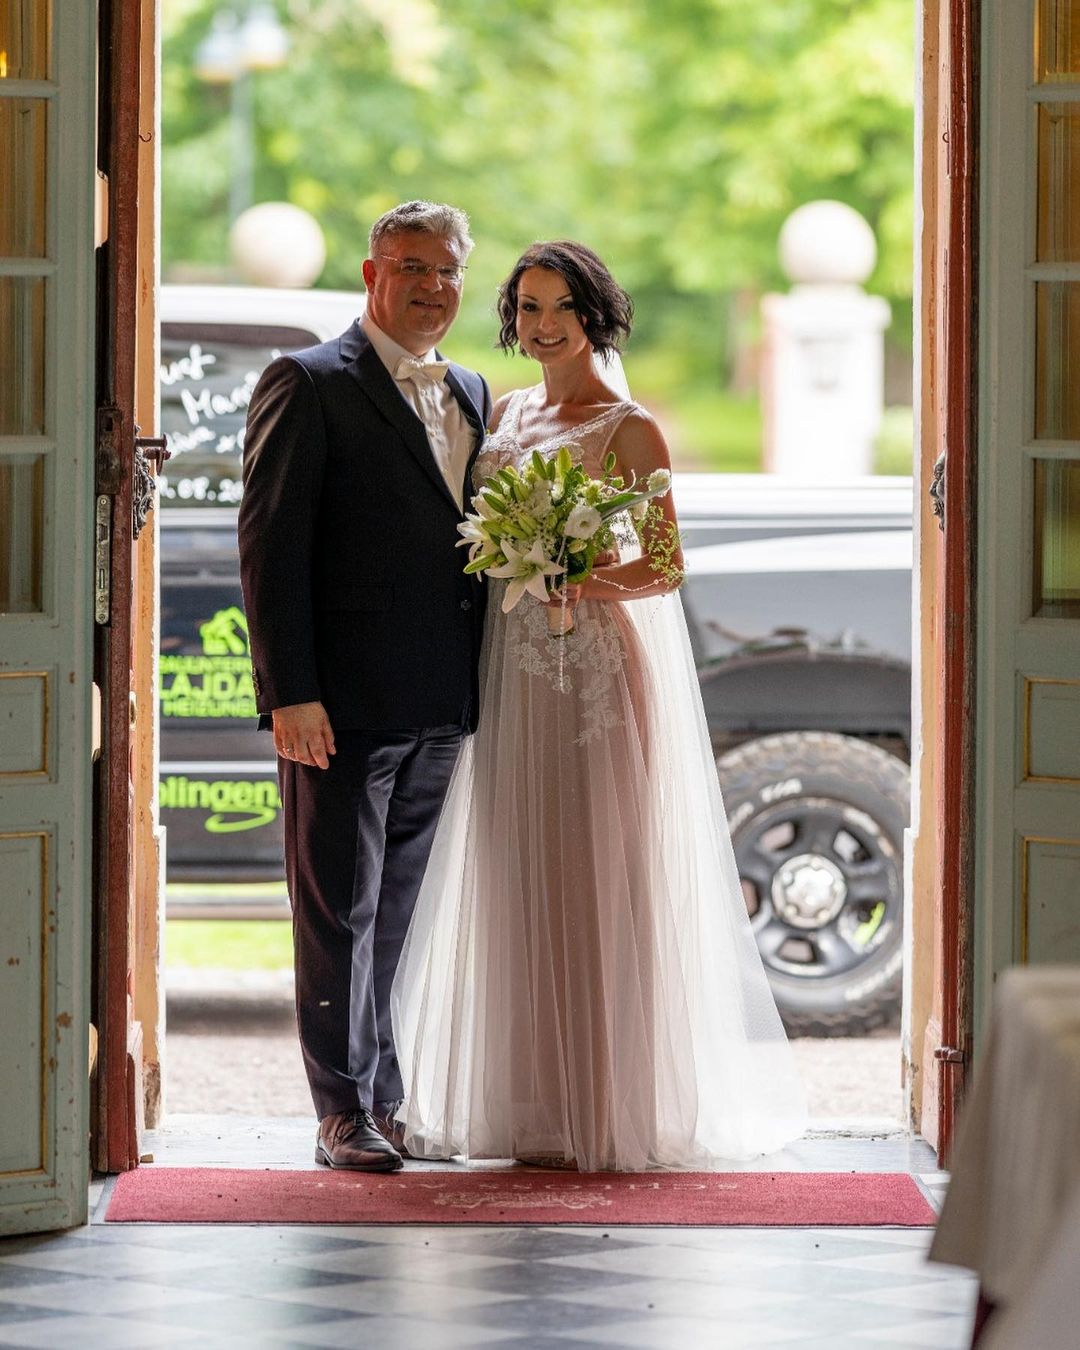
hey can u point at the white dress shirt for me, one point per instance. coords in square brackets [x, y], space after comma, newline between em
[449, 432]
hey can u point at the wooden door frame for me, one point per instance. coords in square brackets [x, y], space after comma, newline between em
[117, 1107]
[938, 1003]
[956, 834]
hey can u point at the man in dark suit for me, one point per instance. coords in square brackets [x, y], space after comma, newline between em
[365, 636]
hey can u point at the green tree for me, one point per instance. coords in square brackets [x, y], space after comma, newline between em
[673, 137]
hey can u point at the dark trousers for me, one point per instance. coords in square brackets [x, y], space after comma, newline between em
[357, 839]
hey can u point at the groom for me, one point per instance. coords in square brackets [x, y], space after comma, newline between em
[365, 635]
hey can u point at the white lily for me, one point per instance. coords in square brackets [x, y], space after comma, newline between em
[475, 535]
[526, 571]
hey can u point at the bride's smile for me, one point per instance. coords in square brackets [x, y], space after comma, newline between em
[548, 325]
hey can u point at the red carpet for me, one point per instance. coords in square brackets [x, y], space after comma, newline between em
[520, 1195]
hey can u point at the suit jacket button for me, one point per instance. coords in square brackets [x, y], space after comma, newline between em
[466, 604]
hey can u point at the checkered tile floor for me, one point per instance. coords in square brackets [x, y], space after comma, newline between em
[445, 1288]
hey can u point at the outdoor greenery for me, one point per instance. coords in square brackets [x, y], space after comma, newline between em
[674, 137]
[228, 944]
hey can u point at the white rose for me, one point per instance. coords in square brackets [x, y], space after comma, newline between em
[582, 522]
[659, 481]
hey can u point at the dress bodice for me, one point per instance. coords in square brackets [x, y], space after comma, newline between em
[588, 441]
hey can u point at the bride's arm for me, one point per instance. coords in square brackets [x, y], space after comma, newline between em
[640, 449]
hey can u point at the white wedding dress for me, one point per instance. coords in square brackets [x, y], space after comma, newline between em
[580, 979]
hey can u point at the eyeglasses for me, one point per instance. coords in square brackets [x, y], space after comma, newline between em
[452, 273]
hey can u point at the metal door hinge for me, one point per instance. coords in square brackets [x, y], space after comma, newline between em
[948, 1054]
[937, 490]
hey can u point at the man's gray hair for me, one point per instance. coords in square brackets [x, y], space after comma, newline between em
[446, 222]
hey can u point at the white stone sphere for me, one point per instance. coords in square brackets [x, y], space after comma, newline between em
[277, 244]
[827, 243]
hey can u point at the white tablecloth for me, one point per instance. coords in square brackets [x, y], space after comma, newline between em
[1012, 1213]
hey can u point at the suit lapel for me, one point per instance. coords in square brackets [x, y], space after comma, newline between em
[473, 417]
[363, 364]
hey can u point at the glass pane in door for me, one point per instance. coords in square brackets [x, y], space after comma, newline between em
[1057, 539]
[22, 524]
[22, 356]
[1057, 39]
[1057, 360]
[25, 39]
[1059, 182]
[22, 164]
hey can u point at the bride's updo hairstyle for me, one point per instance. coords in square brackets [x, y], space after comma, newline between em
[602, 306]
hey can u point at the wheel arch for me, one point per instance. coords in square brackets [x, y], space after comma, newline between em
[799, 689]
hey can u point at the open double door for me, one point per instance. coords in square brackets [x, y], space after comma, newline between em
[999, 615]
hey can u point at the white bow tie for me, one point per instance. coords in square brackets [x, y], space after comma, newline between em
[409, 367]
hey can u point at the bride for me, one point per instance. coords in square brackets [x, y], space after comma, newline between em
[580, 984]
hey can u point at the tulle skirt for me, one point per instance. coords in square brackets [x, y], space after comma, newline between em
[580, 979]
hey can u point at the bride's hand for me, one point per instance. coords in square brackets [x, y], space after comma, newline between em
[571, 593]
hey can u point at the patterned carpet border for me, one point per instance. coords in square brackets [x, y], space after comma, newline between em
[519, 1196]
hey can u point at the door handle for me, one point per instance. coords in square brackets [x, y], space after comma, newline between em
[155, 449]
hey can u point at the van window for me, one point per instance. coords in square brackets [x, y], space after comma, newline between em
[208, 372]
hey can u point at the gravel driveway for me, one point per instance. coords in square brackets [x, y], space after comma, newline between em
[231, 1049]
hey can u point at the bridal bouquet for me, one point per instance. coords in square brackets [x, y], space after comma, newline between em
[542, 526]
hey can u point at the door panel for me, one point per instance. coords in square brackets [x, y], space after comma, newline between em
[1028, 770]
[46, 464]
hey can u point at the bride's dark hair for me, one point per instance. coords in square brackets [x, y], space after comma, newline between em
[605, 310]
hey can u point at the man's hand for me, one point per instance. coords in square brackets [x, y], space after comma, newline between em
[302, 732]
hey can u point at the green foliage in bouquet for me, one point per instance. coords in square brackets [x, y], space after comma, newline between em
[546, 523]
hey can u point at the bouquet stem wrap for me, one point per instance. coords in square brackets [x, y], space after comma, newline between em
[560, 619]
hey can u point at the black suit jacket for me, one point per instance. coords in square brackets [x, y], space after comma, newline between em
[353, 586]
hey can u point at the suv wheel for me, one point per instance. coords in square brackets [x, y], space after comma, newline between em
[817, 822]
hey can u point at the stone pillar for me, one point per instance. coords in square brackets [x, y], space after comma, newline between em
[823, 367]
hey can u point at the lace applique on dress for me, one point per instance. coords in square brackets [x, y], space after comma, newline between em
[585, 663]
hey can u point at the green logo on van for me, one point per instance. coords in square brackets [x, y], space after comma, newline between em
[216, 684]
[226, 634]
[235, 805]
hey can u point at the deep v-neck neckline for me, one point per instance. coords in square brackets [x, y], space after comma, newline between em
[569, 435]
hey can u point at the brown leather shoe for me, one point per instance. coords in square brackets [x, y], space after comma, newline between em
[351, 1140]
[390, 1128]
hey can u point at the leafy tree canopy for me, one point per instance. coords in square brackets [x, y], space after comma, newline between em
[674, 137]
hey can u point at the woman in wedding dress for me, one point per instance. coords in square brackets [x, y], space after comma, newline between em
[580, 984]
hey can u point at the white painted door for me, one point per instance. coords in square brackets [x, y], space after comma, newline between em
[1027, 900]
[47, 118]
